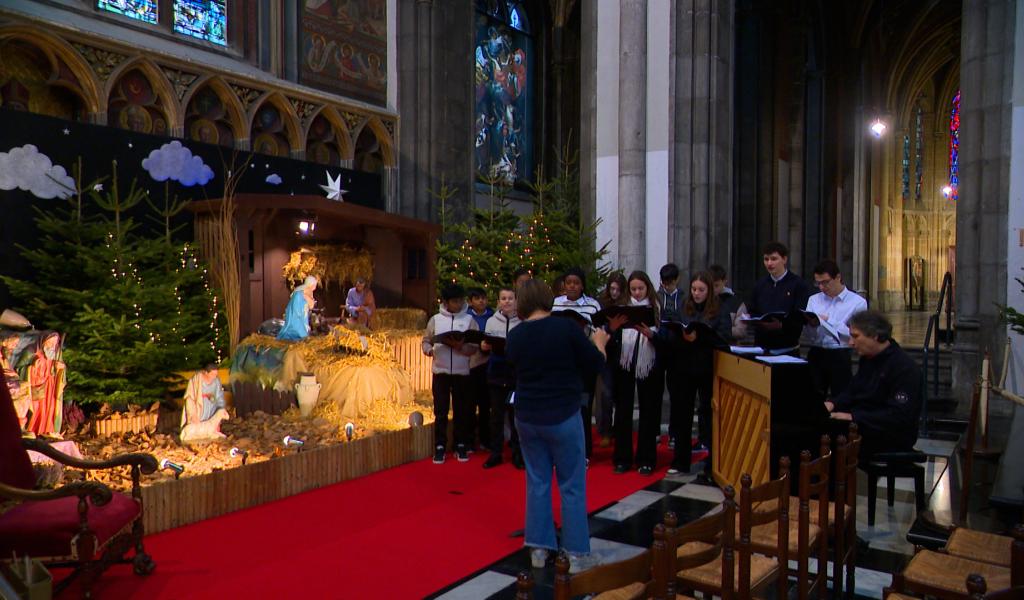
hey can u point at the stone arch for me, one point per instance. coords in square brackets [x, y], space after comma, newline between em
[342, 136]
[293, 133]
[161, 87]
[59, 51]
[379, 131]
[235, 112]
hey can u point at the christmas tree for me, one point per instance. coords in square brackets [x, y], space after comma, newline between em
[132, 308]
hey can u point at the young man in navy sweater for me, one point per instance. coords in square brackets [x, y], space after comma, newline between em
[780, 290]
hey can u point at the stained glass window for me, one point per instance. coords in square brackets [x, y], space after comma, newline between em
[504, 92]
[143, 10]
[906, 168]
[918, 152]
[203, 19]
[954, 148]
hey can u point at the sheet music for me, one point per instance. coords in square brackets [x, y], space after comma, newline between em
[746, 349]
[782, 359]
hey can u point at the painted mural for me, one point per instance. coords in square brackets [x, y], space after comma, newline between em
[344, 48]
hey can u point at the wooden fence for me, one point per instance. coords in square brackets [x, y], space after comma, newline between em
[191, 499]
[409, 354]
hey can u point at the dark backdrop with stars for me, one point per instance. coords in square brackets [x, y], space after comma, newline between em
[97, 146]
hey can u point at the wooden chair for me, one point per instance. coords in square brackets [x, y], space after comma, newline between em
[944, 576]
[623, 580]
[813, 477]
[83, 525]
[704, 560]
[977, 587]
[524, 586]
[981, 546]
[842, 523]
[768, 530]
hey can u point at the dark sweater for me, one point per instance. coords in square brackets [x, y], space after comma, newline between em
[787, 295]
[884, 398]
[550, 356]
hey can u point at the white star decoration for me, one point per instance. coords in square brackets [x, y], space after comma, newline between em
[98, 187]
[67, 131]
[333, 188]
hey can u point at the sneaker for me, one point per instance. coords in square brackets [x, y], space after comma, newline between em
[517, 460]
[461, 453]
[439, 455]
[677, 469]
[582, 562]
[493, 460]
[620, 469]
[672, 443]
[645, 470]
[538, 557]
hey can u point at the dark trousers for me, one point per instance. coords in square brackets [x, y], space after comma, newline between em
[649, 392]
[605, 402]
[831, 370]
[480, 396]
[587, 416]
[499, 409]
[452, 391]
[678, 427]
[695, 392]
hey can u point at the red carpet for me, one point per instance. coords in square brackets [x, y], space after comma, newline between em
[401, 533]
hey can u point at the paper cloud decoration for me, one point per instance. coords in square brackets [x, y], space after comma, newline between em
[274, 178]
[26, 168]
[176, 162]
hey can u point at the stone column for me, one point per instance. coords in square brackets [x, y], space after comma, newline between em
[632, 210]
[986, 78]
[701, 224]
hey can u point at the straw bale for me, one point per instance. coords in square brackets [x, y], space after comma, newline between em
[399, 319]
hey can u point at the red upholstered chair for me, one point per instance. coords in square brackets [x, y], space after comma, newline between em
[83, 525]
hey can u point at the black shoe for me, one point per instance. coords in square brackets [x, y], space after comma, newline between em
[461, 453]
[517, 460]
[620, 469]
[439, 455]
[493, 460]
[703, 479]
[645, 470]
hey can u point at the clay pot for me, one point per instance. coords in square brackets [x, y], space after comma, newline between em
[307, 390]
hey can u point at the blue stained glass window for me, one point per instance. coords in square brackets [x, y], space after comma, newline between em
[954, 149]
[143, 10]
[918, 153]
[203, 19]
[906, 168]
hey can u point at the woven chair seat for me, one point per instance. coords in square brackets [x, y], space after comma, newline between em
[709, 575]
[896, 596]
[978, 545]
[765, 537]
[950, 573]
[633, 591]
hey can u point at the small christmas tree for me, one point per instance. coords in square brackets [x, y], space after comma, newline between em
[133, 309]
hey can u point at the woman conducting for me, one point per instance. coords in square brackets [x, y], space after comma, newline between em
[549, 356]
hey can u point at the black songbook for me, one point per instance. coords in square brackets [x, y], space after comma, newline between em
[572, 315]
[450, 338]
[497, 344]
[635, 315]
[766, 318]
[705, 334]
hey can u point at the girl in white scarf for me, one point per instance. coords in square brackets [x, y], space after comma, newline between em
[637, 374]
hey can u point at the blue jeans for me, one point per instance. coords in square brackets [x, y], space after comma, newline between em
[559, 447]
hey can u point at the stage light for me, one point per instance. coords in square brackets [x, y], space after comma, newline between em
[306, 226]
[947, 190]
[168, 465]
[416, 419]
[235, 452]
[293, 441]
[350, 428]
[877, 128]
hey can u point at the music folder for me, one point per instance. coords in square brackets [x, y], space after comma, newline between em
[635, 315]
[705, 334]
[450, 338]
[497, 344]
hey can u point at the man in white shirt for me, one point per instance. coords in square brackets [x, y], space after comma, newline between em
[834, 304]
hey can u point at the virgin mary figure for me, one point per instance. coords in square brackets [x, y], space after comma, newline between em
[296, 315]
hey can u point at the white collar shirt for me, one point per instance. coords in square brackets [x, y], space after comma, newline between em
[838, 310]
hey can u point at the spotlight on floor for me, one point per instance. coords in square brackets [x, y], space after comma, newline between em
[168, 465]
[350, 429]
[293, 441]
[236, 452]
[416, 419]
